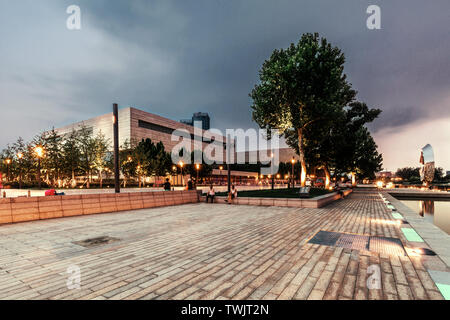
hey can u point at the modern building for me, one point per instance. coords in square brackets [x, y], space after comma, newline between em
[135, 125]
[201, 117]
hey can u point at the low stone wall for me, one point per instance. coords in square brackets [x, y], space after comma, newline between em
[317, 202]
[14, 210]
[409, 194]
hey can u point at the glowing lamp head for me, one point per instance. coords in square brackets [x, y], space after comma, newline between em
[379, 184]
[39, 151]
[197, 166]
[20, 155]
[8, 161]
[221, 168]
[293, 161]
[181, 164]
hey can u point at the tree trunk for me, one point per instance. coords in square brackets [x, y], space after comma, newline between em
[302, 157]
[327, 177]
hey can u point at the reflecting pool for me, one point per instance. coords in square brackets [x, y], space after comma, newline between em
[436, 212]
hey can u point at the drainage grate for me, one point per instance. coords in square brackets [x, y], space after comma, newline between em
[94, 242]
[353, 241]
[385, 245]
[391, 246]
[326, 238]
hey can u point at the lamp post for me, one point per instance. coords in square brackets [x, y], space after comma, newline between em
[39, 153]
[116, 147]
[20, 157]
[181, 166]
[293, 178]
[8, 162]
[197, 166]
[273, 173]
[174, 173]
[220, 175]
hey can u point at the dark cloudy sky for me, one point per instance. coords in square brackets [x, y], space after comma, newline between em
[177, 57]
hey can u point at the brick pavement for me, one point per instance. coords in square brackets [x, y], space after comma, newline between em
[201, 251]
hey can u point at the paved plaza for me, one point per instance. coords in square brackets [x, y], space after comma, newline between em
[206, 251]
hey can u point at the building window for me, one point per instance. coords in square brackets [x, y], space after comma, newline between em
[155, 127]
[163, 129]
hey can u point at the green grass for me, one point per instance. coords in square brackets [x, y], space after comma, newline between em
[277, 193]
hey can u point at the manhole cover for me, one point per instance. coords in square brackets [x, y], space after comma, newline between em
[94, 242]
[386, 245]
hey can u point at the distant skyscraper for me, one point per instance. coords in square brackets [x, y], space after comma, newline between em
[201, 117]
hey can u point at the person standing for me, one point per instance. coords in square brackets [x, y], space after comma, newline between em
[167, 186]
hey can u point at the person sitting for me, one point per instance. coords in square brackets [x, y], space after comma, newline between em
[232, 195]
[167, 185]
[211, 194]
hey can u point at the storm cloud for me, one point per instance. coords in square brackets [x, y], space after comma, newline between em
[174, 58]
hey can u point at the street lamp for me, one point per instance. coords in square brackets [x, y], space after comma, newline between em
[293, 178]
[20, 157]
[40, 153]
[182, 178]
[273, 178]
[197, 166]
[8, 162]
[174, 173]
[220, 175]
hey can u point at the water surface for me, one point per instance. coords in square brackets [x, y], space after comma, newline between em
[436, 212]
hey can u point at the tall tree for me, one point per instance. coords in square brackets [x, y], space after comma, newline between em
[301, 86]
[53, 160]
[367, 160]
[127, 164]
[354, 148]
[71, 156]
[86, 145]
[100, 153]
[408, 173]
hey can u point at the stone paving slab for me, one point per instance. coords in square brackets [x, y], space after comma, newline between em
[212, 251]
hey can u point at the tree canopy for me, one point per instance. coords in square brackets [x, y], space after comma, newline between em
[304, 94]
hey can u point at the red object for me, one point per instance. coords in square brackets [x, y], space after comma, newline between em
[50, 192]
